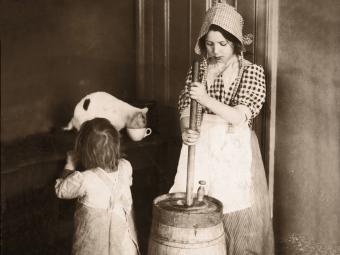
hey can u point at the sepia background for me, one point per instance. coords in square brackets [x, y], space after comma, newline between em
[54, 52]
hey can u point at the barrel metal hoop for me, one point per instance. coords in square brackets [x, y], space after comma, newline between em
[187, 245]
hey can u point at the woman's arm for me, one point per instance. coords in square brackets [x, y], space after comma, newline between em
[234, 115]
[248, 100]
[184, 123]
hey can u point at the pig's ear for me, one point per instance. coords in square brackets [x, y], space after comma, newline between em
[145, 110]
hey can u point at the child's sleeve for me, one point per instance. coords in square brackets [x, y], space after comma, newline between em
[70, 187]
[126, 172]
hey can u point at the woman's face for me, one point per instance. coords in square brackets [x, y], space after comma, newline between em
[219, 49]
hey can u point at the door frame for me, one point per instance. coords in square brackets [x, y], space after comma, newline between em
[271, 57]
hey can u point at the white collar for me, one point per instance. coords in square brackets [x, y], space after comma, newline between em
[230, 72]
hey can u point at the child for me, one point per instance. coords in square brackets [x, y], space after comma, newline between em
[103, 222]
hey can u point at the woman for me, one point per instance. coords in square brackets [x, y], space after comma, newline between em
[231, 93]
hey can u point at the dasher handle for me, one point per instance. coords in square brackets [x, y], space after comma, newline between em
[192, 148]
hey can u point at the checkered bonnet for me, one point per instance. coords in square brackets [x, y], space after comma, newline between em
[224, 16]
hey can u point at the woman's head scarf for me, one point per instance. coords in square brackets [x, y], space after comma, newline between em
[224, 16]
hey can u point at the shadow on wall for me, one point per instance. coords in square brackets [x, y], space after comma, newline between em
[54, 53]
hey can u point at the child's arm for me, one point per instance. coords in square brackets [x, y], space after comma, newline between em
[70, 164]
[70, 183]
[126, 178]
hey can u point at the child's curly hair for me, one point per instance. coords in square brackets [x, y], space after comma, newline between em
[98, 145]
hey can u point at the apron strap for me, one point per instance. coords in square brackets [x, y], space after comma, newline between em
[111, 186]
[116, 195]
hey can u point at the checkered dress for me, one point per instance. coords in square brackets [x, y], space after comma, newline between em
[249, 230]
[247, 89]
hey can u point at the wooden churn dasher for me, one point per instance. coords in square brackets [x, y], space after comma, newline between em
[188, 223]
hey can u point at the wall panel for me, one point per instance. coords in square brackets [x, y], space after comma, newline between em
[179, 42]
[307, 191]
[55, 52]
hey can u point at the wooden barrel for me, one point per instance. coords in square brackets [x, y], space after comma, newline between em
[181, 230]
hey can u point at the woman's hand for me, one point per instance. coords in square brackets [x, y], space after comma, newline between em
[198, 92]
[190, 137]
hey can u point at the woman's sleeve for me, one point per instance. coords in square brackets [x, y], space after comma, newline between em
[184, 97]
[252, 91]
[70, 187]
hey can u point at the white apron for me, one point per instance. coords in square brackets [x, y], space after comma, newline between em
[223, 160]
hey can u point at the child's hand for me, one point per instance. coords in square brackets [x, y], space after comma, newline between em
[71, 160]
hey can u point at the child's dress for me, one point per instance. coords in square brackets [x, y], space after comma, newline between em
[103, 223]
